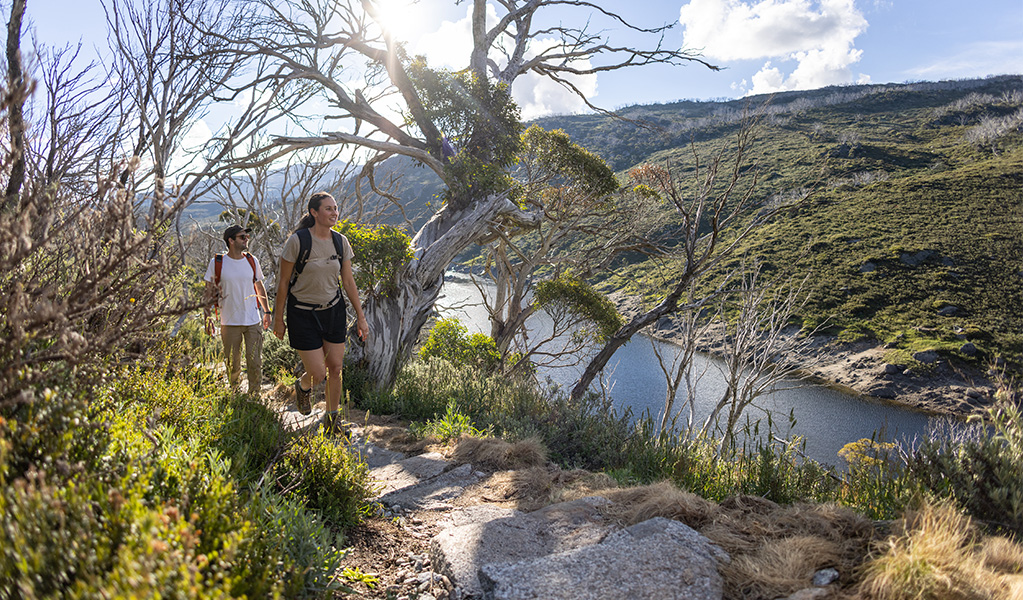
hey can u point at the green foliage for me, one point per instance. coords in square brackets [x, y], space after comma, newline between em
[449, 427]
[285, 531]
[450, 340]
[142, 492]
[382, 252]
[327, 476]
[279, 359]
[570, 164]
[576, 296]
[979, 467]
[481, 118]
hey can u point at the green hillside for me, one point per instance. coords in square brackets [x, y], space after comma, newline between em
[914, 232]
[914, 235]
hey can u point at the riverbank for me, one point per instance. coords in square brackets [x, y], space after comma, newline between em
[932, 383]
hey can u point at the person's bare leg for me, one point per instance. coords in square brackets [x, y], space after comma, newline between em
[334, 358]
[315, 367]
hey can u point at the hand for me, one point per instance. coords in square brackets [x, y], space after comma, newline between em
[279, 328]
[266, 321]
[362, 328]
[208, 325]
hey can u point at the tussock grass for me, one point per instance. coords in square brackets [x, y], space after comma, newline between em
[497, 454]
[938, 553]
[663, 499]
[779, 567]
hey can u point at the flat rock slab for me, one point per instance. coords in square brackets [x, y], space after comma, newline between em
[408, 472]
[296, 421]
[435, 493]
[375, 456]
[658, 558]
[460, 551]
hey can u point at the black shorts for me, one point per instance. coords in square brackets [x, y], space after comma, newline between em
[308, 329]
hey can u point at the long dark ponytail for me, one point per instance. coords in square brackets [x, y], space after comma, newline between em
[314, 204]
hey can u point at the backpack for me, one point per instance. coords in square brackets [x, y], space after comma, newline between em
[218, 266]
[305, 246]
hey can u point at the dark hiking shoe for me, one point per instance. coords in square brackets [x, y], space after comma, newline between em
[302, 399]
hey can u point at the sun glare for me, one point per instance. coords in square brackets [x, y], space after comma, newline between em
[401, 18]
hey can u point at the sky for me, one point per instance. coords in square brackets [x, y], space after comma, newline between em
[761, 46]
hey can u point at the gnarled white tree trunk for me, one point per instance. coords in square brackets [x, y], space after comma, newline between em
[395, 321]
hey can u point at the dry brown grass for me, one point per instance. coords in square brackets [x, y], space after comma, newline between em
[938, 553]
[637, 504]
[497, 454]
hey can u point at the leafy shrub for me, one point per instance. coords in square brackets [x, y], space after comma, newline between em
[450, 340]
[575, 296]
[285, 532]
[171, 525]
[280, 360]
[979, 467]
[382, 251]
[327, 477]
[447, 428]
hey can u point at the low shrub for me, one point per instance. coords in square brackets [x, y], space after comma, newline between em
[452, 425]
[978, 466]
[327, 477]
[450, 340]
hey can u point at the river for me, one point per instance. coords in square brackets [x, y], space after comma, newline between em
[827, 418]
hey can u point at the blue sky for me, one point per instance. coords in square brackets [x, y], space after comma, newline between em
[763, 45]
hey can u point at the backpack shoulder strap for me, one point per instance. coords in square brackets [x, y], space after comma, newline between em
[339, 246]
[218, 267]
[252, 263]
[305, 246]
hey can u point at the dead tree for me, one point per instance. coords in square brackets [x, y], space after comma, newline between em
[711, 224]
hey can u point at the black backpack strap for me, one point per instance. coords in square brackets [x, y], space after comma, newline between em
[305, 246]
[339, 247]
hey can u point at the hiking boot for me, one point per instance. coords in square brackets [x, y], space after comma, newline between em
[302, 398]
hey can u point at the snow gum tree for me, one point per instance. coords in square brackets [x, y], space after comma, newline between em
[461, 124]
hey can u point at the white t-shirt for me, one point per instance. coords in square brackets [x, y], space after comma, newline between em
[238, 304]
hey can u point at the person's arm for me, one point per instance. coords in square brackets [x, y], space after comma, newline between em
[348, 281]
[283, 277]
[264, 303]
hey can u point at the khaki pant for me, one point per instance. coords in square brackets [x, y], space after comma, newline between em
[232, 336]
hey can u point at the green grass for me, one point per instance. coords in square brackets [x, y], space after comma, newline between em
[913, 219]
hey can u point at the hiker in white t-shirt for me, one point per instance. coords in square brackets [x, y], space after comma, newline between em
[234, 285]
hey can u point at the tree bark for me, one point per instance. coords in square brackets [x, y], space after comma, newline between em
[395, 321]
[16, 119]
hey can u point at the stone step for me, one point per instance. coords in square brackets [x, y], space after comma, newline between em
[572, 550]
[658, 558]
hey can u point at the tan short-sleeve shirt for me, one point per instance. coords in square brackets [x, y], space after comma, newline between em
[319, 281]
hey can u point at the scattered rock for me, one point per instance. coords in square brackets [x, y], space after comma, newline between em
[948, 311]
[969, 349]
[913, 260]
[868, 267]
[825, 577]
[890, 369]
[927, 357]
[886, 391]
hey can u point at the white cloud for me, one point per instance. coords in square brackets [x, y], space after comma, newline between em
[817, 35]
